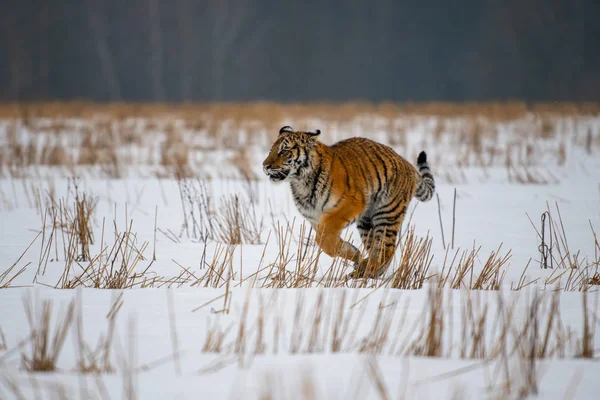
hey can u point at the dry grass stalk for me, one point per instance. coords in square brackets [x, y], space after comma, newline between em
[473, 318]
[379, 336]
[3, 346]
[590, 319]
[98, 359]
[571, 271]
[113, 268]
[215, 337]
[487, 329]
[415, 260]
[459, 273]
[236, 222]
[75, 224]
[46, 247]
[46, 343]
[6, 278]
[84, 209]
[197, 209]
[173, 331]
[376, 376]
[129, 364]
[490, 277]
[429, 341]
[175, 154]
[215, 275]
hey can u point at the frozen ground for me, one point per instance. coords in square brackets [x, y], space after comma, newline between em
[208, 320]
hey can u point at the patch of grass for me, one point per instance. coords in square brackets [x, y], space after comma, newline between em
[237, 222]
[115, 267]
[46, 343]
[181, 140]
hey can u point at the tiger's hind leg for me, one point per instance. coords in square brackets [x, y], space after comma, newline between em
[364, 224]
[379, 237]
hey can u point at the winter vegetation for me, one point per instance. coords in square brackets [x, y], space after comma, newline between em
[144, 254]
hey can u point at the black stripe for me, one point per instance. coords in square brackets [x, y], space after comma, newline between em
[313, 192]
[376, 171]
[365, 226]
[357, 157]
[386, 208]
[393, 217]
[305, 161]
[345, 168]
[385, 170]
[386, 223]
[361, 169]
[326, 185]
[425, 196]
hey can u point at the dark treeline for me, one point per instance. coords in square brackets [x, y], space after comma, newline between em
[399, 50]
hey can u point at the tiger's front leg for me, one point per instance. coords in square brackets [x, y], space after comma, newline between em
[330, 226]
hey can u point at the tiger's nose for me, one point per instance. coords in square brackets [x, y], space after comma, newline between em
[267, 166]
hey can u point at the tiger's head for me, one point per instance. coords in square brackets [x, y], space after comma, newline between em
[289, 154]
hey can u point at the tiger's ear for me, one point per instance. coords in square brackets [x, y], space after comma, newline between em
[286, 129]
[314, 134]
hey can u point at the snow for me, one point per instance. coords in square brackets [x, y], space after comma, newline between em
[279, 343]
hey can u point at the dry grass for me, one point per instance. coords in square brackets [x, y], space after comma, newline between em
[115, 139]
[115, 267]
[74, 224]
[7, 277]
[96, 360]
[198, 213]
[415, 260]
[488, 327]
[46, 343]
[3, 345]
[510, 336]
[335, 320]
[571, 271]
[298, 262]
[28, 112]
[236, 222]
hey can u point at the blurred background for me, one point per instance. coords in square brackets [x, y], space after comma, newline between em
[227, 50]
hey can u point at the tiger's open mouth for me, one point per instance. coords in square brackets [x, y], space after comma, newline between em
[277, 176]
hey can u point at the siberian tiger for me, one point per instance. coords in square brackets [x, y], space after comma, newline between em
[354, 180]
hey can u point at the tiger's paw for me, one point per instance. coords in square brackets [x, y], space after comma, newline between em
[355, 274]
[362, 270]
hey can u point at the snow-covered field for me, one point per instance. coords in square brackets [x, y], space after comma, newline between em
[133, 286]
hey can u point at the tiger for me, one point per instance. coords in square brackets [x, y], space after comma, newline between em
[356, 180]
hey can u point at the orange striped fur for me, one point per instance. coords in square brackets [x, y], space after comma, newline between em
[354, 180]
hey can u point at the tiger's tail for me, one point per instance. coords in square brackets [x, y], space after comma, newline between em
[426, 185]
